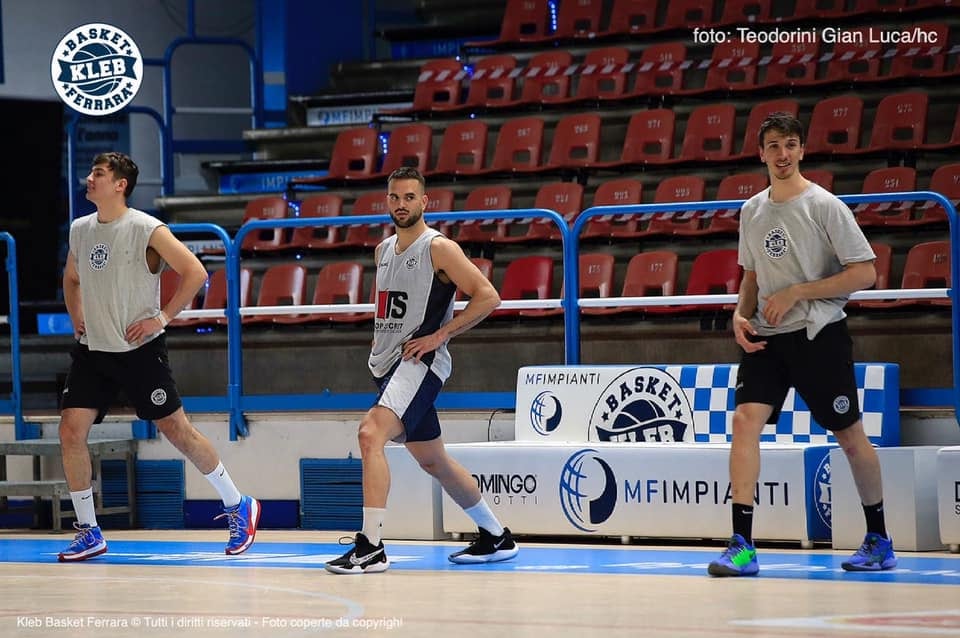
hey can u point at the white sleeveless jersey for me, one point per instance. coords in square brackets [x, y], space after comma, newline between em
[411, 302]
[116, 285]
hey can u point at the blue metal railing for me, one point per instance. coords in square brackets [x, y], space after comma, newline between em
[236, 400]
[16, 391]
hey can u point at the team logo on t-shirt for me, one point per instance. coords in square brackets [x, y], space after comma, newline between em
[99, 257]
[412, 262]
[775, 243]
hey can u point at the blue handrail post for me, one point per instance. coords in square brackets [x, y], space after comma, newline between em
[571, 295]
[238, 424]
[16, 392]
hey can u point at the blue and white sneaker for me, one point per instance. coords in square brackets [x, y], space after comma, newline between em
[86, 544]
[874, 555]
[738, 559]
[242, 519]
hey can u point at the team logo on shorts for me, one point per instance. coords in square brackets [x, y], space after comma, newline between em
[99, 256]
[96, 69]
[642, 404]
[841, 404]
[158, 396]
[412, 263]
[775, 243]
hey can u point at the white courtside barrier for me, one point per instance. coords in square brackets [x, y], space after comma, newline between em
[909, 499]
[948, 495]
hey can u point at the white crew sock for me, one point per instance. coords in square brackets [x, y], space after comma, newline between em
[373, 523]
[83, 507]
[220, 480]
[483, 516]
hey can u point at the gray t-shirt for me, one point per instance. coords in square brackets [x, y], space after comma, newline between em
[116, 285]
[808, 238]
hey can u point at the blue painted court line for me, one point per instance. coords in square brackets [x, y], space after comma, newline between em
[935, 569]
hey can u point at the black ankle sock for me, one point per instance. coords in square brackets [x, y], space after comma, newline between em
[875, 520]
[743, 521]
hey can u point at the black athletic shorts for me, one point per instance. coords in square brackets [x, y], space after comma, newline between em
[821, 371]
[143, 375]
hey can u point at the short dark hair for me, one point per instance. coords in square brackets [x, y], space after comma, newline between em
[122, 166]
[408, 172]
[781, 122]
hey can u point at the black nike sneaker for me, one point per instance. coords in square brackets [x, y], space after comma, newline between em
[363, 558]
[487, 548]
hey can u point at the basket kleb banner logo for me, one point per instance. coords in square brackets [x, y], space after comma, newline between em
[96, 69]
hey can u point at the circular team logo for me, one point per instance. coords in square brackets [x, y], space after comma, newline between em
[643, 405]
[841, 404]
[545, 413]
[99, 257]
[821, 491]
[588, 490]
[412, 263]
[158, 396]
[96, 69]
[775, 243]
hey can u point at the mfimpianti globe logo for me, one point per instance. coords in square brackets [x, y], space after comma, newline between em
[588, 490]
[96, 69]
[546, 412]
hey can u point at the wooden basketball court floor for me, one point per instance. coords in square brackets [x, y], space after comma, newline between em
[162, 583]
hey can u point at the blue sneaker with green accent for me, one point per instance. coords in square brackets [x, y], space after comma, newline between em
[874, 555]
[739, 559]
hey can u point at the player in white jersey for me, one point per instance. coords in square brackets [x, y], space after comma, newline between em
[111, 286]
[802, 254]
[418, 272]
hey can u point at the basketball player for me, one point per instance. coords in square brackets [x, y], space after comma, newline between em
[803, 254]
[418, 272]
[111, 286]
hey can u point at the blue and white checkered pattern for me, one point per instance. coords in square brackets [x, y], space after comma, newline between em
[710, 390]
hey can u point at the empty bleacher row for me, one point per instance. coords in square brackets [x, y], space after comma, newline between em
[649, 273]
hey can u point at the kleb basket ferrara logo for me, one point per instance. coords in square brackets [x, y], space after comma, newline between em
[96, 69]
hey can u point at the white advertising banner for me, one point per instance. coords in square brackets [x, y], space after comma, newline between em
[948, 495]
[650, 490]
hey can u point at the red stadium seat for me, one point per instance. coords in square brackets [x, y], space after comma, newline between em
[835, 125]
[565, 198]
[738, 186]
[576, 142]
[709, 134]
[792, 64]
[596, 280]
[281, 285]
[367, 235]
[713, 272]
[318, 237]
[733, 65]
[822, 178]
[519, 146]
[900, 122]
[408, 145]
[746, 11]
[856, 58]
[215, 297]
[922, 60]
[649, 274]
[615, 192]
[438, 86]
[267, 239]
[897, 179]
[632, 17]
[946, 181]
[463, 149]
[528, 277]
[602, 75]
[493, 81]
[649, 138]
[497, 197]
[525, 21]
[580, 19]
[680, 188]
[354, 155]
[927, 266]
[686, 14]
[545, 79]
[659, 71]
[337, 282]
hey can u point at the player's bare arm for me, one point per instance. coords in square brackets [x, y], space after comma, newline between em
[71, 295]
[743, 330]
[450, 263]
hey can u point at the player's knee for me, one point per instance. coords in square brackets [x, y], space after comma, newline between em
[369, 435]
[72, 435]
[743, 425]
